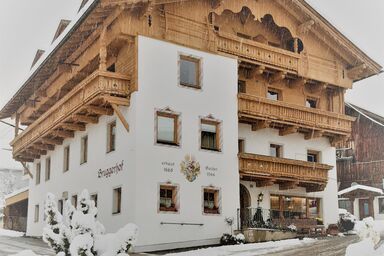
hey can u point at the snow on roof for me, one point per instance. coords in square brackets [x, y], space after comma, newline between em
[362, 187]
[16, 192]
[377, 119]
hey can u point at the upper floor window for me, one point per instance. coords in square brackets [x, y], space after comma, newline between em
[168, 198]
[94, 199]
[190, 71]
[311, 103]
[210, 135]
[273, 94]
[211, 201]
[276, 150]
[60, 206]
[111, 137]
[74, 200]
[84, 150]
[313, 156]
[116, 202]
[167, 128]
[241, 145]
[38, 173]
[241, 86]
[47, 169]
[66, 158]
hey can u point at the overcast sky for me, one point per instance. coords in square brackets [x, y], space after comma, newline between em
[28, 25]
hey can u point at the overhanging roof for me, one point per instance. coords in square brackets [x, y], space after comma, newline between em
[63, 47]
[360, 187]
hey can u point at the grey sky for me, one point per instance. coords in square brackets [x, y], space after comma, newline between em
[27, 25]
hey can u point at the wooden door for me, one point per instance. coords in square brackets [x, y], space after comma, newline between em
[365, 208]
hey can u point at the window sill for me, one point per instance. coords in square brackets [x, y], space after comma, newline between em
[190, 86]
[211, 150]
[116, 213]
[166, 144]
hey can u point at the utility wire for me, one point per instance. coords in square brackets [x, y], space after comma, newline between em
[1, 121]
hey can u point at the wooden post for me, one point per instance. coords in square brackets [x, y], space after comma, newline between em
[120, 116]
[103, 51]
[17, 123]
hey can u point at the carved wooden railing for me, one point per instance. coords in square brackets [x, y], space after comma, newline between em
[281, 168]
[96, 85]
[291, 114]
[256, 51]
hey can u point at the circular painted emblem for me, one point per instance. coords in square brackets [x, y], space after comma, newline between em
[190, 168]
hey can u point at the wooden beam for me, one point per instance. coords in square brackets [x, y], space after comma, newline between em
[26, 169]
[44, 146]
[300, 82]
[120, 116]
[51, 141]
[98, 110]
[24, 159]
[262, 124]
[256, 71]
[17, 123]
[85, 119]
[338, 140]
[315, 188]
[355, 72]
[64, 134]
[278, 76]
[117, 100]
[265, 183]
[313, 135]
[288, 185]
[288, 130]
[73, 127]
[34, 151]
[26, 155]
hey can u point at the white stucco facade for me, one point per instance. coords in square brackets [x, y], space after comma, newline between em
[147, 164]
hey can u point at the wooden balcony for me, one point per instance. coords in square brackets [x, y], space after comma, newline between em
[294, 118]
[257, 52]
[288, 173]
[97, 95]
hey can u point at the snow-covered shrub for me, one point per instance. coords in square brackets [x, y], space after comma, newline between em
[346, 221]
[228, 239]
[292, 228]
[78, 233]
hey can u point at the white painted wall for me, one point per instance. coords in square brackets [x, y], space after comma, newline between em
[294, 147]
[218, 97]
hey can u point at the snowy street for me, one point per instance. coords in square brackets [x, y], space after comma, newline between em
[13, 245]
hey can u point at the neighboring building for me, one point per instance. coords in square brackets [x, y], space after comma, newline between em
[16, 210]
[169, 112]
[360, 165]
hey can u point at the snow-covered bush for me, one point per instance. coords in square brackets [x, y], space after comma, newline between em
[78, 233]
[292, 228]
[346, 221]
[228, 239]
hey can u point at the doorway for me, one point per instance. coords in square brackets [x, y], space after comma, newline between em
[245, 203]
[365, 208]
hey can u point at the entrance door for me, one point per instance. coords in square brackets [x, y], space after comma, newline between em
[245, 202]
[365, 208]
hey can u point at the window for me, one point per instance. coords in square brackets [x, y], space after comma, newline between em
[241, 86]
[311, 103]
[314, 207]
[111, 137]
[273, 94]
[189, 71]
[167, 128]
[276, 150]
[211, 201]
[348, 205]
[84, 150]
[168, 197]
[60, 206]
[210, 135]
[94, 198]
[74, 200]
[313, 156]
[381, 205]
[38, 173]
[47, 169]
[241, 143]
[66, 159]
[37, 212]
[116, 207]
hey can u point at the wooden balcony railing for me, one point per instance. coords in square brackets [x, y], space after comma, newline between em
[283, 113]
[256, 51]
[96, 86]
[267, 167]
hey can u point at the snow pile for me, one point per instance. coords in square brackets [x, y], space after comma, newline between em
[78, 233]
[248, 249]
[10, 233]
[369, 232]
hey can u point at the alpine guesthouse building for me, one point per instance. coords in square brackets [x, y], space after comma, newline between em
[182, 115]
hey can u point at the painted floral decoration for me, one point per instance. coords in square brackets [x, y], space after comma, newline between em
[190, 168]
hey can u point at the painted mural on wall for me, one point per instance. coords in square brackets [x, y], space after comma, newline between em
[190, 167]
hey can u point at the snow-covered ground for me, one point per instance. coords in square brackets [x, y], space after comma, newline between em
[248, 249]
[370, 232]
[10, 233]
